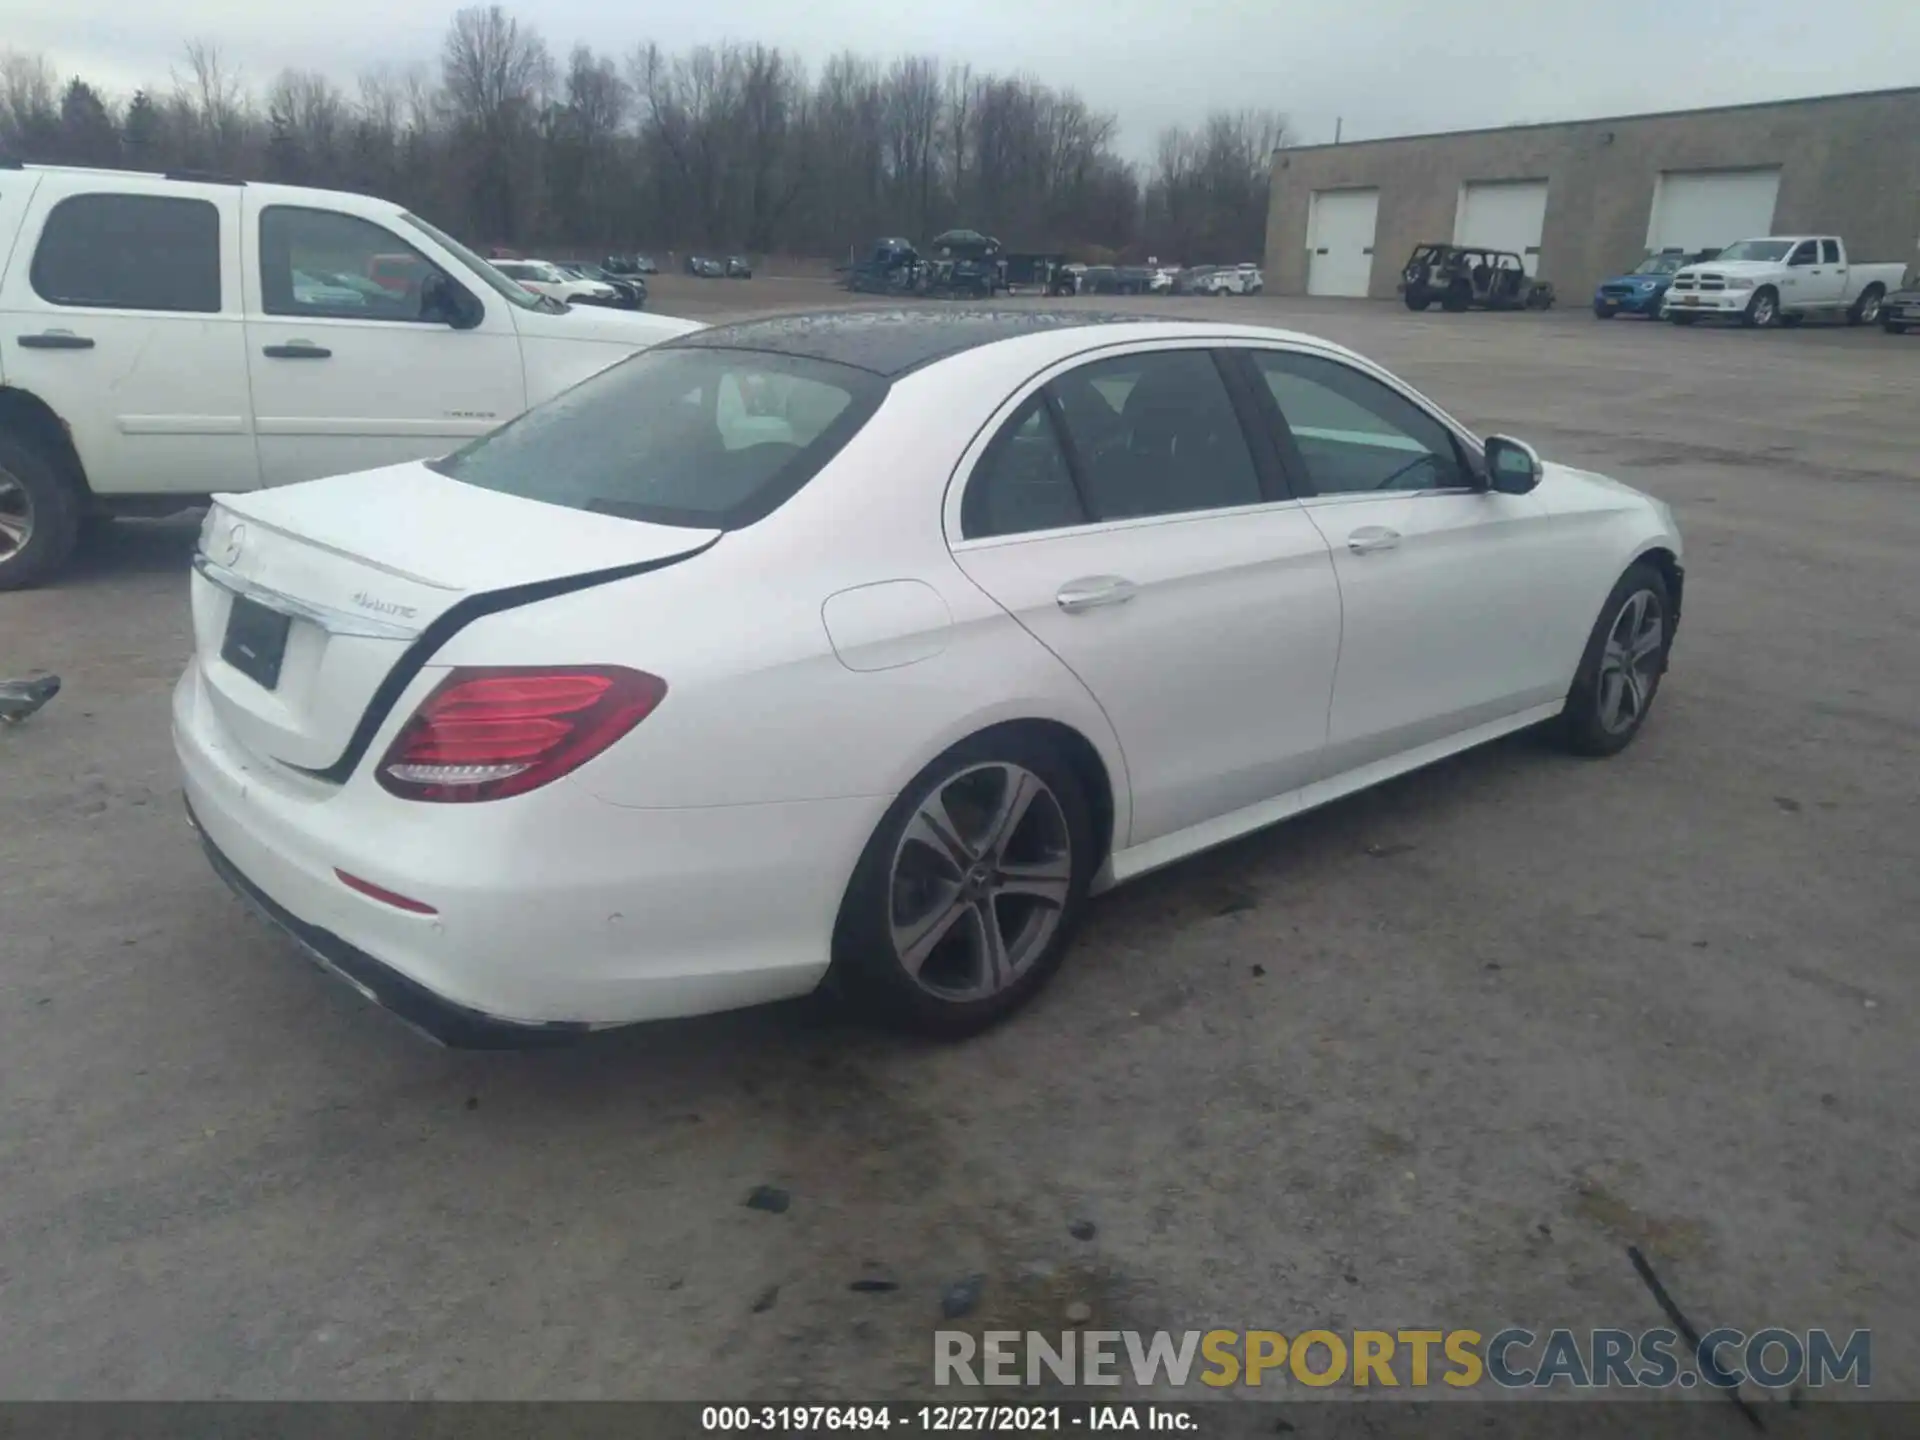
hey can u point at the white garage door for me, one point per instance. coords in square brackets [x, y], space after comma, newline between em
[1340, 241]
[1710, 209]
[1503, 215]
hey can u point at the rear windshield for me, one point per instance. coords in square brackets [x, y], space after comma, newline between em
[707, 437]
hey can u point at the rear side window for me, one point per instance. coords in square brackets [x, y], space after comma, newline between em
[1023, 483]
[1156, 434]
[130, 252]
[703, 437]
[1830, 252]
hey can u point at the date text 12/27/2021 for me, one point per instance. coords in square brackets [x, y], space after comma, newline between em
[945, 1419]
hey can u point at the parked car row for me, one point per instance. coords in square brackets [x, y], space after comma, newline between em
[1156, 279]
[734, 267]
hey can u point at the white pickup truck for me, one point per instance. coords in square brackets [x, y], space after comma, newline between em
[166, 337]
[1780, 280]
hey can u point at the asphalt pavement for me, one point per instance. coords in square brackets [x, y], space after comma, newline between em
[1435, 1056]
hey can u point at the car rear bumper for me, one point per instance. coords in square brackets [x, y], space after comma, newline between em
[551, 913]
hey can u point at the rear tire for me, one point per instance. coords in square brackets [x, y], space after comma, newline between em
[39, 515]
[910, 945]
[1620, 671]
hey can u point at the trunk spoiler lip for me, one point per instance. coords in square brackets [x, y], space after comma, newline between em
[235, 505]
[451, 622]
[329, 618]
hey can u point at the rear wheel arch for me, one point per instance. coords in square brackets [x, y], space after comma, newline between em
[29, 420]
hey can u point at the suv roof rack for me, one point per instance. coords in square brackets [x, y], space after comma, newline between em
[205, 177]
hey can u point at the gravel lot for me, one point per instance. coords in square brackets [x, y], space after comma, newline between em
[1432, 1057]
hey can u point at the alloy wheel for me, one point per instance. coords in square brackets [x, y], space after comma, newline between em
[1630, 662]
[16, 517]
[980, 881]
[1869, 309]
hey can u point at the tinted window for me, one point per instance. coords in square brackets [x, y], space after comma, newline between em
[320, 262]
[1023, 482]
[1156, 434]
[703, 437]
[1805, 253]
[1830, 251]
[130, 252]
[1355, 434]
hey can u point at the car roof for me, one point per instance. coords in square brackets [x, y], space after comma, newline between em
[892, 342]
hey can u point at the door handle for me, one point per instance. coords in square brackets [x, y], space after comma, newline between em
[55, 340]
[298, 350]
[1092, 592]
[1369, 538]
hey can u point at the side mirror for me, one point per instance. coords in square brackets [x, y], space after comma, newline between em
[444, 301]
[1513, 467]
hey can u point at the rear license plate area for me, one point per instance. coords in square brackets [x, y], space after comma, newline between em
[256, 642]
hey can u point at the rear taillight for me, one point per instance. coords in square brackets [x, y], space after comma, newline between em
[485, 734]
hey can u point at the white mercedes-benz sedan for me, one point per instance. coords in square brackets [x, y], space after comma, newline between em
[871, 645]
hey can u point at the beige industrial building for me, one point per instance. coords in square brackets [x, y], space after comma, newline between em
[1587, 199]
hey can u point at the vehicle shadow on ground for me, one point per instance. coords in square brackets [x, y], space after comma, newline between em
[783, 1042]
[132, 547]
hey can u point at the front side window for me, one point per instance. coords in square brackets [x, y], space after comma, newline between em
[130, 252]
[325, 264]
[705, 437]
[1807, 252]
[1355, 435]
[1155, 434]
[483, 270]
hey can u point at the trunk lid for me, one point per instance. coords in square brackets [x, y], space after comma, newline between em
[306, 596]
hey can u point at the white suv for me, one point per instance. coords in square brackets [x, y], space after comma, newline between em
[166, 337]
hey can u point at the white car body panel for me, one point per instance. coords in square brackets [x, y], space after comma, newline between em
[821, 657]
[189, 404]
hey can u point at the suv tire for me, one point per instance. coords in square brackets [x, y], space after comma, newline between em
[40, 511]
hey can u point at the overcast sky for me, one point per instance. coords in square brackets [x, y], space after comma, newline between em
[1385, 67]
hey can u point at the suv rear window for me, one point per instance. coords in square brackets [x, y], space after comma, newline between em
[130, 252]
[707, 437]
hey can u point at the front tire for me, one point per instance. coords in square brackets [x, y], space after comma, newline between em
[1604, 312]
[1681, 317]
[1620, 671]
[39, 516]
[966, 897]
[1763, 311]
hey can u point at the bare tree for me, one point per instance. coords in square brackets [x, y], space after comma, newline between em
[734, 144]
[496, 74]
